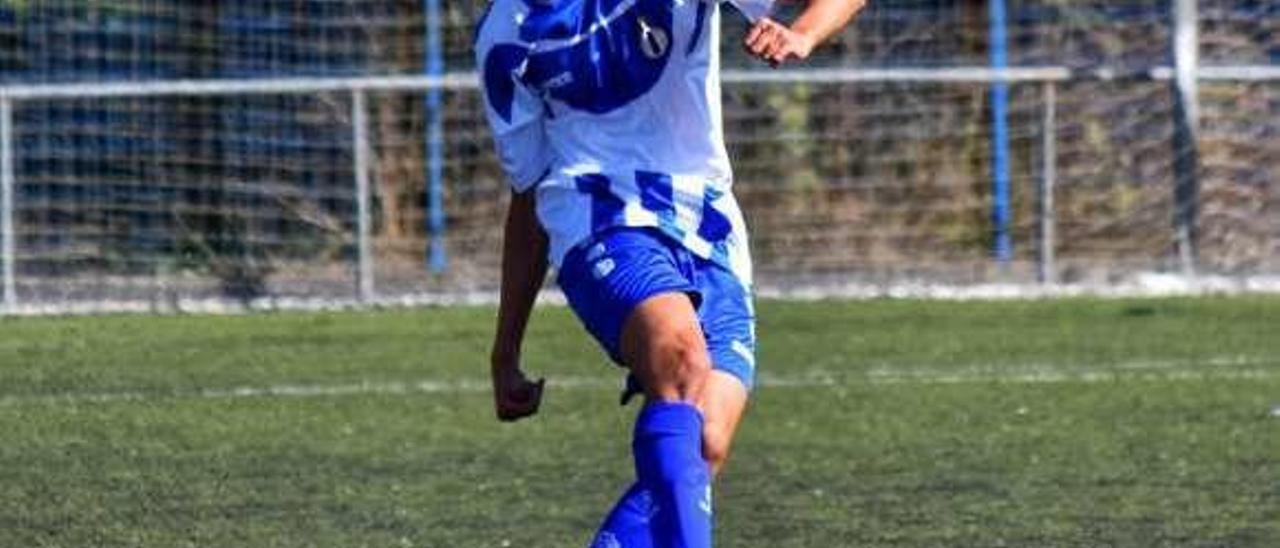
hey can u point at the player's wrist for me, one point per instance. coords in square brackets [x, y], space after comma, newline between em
[504, 361]
[808, 37]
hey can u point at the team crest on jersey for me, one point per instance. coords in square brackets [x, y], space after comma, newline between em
[654, 42]
[591, 55]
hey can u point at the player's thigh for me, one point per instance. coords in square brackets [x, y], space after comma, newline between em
[724, 401]
[663, 345]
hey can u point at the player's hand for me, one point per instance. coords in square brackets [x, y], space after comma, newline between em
[514, 396]
[774, 43]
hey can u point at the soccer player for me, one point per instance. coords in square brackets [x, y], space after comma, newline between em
[606, 115]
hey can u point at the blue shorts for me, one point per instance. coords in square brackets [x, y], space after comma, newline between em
[605, 278]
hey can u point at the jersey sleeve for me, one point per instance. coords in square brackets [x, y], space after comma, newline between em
[753, 9]
[515, 113]
[521, 141]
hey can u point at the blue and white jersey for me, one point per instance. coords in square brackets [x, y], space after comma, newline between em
[611, 108]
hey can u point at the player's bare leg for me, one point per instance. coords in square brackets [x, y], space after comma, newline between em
[663, 344]
[683, 433]
[724, 399]
[664, 341]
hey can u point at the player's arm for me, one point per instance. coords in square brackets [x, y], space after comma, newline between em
[777, 43]
[516, 117]
[524, 267]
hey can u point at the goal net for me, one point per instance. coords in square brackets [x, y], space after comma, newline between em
[163, 153]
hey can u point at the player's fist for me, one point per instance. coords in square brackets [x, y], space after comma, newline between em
[514, 396]
[774, 43]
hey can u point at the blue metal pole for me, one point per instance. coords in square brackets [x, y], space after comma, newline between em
[1001, 215]
[437, 257]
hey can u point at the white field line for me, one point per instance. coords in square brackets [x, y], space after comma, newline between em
[1224, 368]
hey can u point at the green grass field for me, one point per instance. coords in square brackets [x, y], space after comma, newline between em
[882, 423]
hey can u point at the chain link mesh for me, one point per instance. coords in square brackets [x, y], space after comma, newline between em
[244, 197]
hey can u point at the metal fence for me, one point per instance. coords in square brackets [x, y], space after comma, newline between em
[275, 188]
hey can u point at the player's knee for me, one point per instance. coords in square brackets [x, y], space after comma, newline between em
[687, 357]
[682, 365]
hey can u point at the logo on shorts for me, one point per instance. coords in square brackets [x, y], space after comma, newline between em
[603, 268]
[596, 252]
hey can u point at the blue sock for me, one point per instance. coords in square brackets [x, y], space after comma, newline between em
[668, 452]
[628, 523]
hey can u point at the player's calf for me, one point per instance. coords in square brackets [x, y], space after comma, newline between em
[663, 344]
